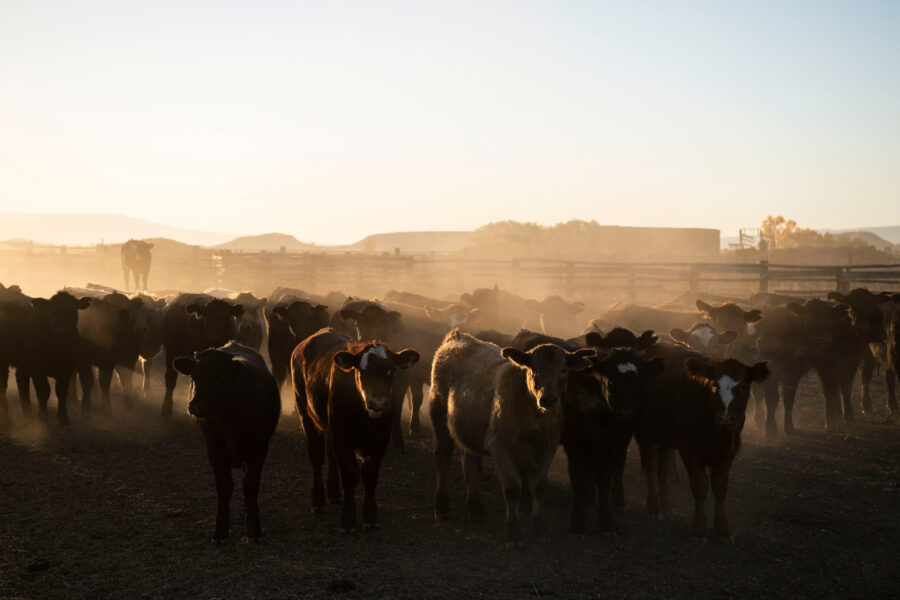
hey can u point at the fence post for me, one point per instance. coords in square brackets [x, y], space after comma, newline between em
[632, 284]
[570, 280]
[763, 277]
[840, 279]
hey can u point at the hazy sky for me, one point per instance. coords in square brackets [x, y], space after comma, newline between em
[333, 120]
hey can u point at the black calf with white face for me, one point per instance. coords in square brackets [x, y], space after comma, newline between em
[624, 374]
[729, 384]
[374, 367]
[547, 367]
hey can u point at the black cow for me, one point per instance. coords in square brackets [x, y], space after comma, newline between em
[52, 345]
[601, 406]
[291, 319]
[698, 408]
[136, 259]
[14, 315]
[236, 404]
[111, 331]
[194, 322]
[343, 393]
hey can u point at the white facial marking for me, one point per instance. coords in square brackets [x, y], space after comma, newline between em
[751, 329]
[373, 414]
[704, 334]
[627, 368]
[377, 350]
[726, 385]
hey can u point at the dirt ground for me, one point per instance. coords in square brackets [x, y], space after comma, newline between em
[122, 506]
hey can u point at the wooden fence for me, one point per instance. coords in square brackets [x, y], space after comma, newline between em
[43, 269]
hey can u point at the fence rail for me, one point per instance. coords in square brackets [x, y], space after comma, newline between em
[46, 268]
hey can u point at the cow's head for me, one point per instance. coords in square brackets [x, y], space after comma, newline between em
[619, 337]
[823, 325]
[547, 369]
[625, 373]
[218, 319]
[455, 315]
[213, 375]
[373, 321]
[303, 318]
[374, 368]
[865, 312]
[728, 382]
[61, 311]
[704, 338]
[730, 316]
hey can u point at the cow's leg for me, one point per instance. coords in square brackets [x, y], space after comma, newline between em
[580, 478]
[890, 377]
[42, 392]
[224, 486]
[789, 395]
[332, 479]
[700, 489]
[416, 396]
[315, 450]
[23, 385]
[537, 486]
[62, 389]
[349, 471]
[146, 369]
[252, 476]
[604, 479]
[867, 368]
[86, 376]
[443, 453]
[719, 478]
[772, 390]
[650, 466]
[398, 395]
[511, 483]
[832, 400]
[758, 398]
[171, 380]
[370, 468]
[125, 273]
[666, 469]
[105, 380]
[845, 387]
[125, 375]
[4, 384]
[471, 467]
[618, 490]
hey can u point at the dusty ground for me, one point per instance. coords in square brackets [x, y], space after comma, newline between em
[123, 507]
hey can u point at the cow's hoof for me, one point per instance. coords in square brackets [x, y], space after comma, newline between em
[698, 540]
[250, 539]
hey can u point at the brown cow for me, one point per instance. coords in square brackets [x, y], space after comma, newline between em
[343, 394]
[506, 403]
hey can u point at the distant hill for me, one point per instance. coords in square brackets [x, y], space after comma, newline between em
[89, 229]
[414, 241]
[889, 233]
[268, 241]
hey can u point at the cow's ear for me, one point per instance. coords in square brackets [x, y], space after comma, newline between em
[184, 364]
[654, 366]
[346, 360]
[135, 303]
[348, 314]
[40, 303]
[727, 337]
[196, 309]
[753, 316]
[697, 368]
[760, 371]
[646, 340]
[161, 303]
[237, 310]
[83, 303]
[406, 358]
[280, 311]
[679, 335]
[595, 339]
[575, 307]
[321, 307]
[837, 297]
[474, 316]
[514, 355]
[704, 307]
[580, 359]
[794, 308]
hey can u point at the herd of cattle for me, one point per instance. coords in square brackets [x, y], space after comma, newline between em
[510, 378]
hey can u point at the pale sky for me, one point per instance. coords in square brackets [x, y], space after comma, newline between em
[333, 120]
